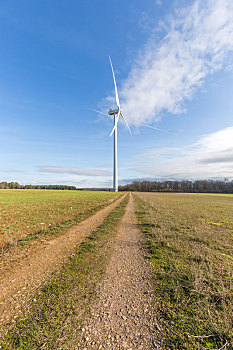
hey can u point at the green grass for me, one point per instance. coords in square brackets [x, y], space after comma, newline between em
[189, 241]
[59, 228]
[56, 312]
[29, 212]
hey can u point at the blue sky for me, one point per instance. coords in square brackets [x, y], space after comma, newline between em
[173, 62]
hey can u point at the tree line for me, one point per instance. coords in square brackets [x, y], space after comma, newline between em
[16, 185]
[198, 186]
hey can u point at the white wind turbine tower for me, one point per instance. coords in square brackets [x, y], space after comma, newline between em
[116, 113]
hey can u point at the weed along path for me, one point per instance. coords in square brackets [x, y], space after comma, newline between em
[123, 316]
[20, 282]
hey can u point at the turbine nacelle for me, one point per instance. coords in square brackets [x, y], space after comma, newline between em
[114, 111]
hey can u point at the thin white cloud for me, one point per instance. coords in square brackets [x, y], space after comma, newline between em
[11, 171]
[198, 42]
[210, 157]
[72, 171]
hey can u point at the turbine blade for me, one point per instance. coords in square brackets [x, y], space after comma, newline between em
[154, 128]
[115, 126]
[126, 123]
[117, 98]
[113, 130]
[94, 110]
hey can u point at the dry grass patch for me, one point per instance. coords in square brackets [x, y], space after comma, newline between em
[190, 242]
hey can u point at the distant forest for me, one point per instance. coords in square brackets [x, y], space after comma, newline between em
[198, 186]
[16, 185]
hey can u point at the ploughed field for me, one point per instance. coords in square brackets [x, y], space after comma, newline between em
[24, 213]
[189, 240]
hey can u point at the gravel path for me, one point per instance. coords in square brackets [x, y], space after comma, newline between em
[29, 272]
[123, 316]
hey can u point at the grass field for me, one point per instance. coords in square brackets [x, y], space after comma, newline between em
[211, 194]
[24, 212]
[190, 244]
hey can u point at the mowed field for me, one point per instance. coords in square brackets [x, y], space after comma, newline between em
[190, 244]
[24, 212]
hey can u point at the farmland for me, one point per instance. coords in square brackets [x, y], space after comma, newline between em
[189, 240]
[24, 212]
[186, 238]
[55, 309]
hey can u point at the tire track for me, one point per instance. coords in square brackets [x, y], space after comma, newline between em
[30, 273]
[124, 314]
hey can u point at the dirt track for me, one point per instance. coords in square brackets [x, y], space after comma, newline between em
[124, 316]
[29, 272]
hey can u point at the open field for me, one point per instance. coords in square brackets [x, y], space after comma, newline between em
[24, 212]
[211, 194]
[23, 270]
[190, 244]
[53, 318]
[169, 286]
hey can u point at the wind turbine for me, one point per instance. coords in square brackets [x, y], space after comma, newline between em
[116, 113]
